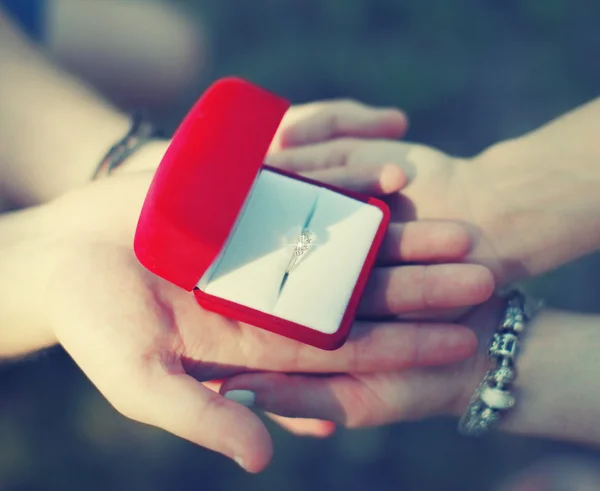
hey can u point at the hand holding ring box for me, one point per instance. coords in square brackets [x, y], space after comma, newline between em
[218, 222]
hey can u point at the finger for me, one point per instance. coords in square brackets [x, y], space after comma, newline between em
[181, 405]
[345, 118]
[315, 428]
[424, 241]
[434, 315]
[376, 180]
[298, 426]
[355, 401]
[314, 157]
[403, 289]
[375, 347]
[370, 347]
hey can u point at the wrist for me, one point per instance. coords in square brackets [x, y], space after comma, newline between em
[534, 210]
[27, 264]
[557, 384]
[555, 388]
[500, 230]
[145, 158]
[557, 379]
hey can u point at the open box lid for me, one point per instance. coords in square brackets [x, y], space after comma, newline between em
[204, 178]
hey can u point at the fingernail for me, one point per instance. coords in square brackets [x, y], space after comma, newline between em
[244, 397]
[240, 462]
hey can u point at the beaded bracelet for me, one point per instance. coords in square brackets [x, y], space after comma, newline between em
[494, 396]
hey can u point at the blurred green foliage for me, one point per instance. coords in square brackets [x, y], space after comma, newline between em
[469, 73]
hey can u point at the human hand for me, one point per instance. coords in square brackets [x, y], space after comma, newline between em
[502, 194]
[315, 122]
[493, 191]
[148, 346]
[438, 187]
[556, 369]
[359, 400]
[391, 289]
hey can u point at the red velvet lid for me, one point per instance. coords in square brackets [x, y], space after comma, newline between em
[203, 180]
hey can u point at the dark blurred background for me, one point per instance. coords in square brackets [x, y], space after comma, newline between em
[468, 73]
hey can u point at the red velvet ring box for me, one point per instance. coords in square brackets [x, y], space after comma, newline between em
[219, 222]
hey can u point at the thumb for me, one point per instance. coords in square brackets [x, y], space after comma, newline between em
[181, 405]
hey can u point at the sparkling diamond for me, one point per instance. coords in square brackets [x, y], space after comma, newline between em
[303, 241]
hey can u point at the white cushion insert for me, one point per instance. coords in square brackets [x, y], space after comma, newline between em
[251, 267]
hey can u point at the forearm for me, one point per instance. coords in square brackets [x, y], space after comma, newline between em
[541, 196]
[53, 129]
[27, 239]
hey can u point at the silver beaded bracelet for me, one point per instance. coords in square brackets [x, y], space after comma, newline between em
[493, 396]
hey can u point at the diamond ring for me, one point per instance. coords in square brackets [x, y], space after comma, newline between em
[301, 246]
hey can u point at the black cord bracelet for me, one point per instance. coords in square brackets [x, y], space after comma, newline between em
[140, 132]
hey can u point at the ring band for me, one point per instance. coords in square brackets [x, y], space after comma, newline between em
[302, 243]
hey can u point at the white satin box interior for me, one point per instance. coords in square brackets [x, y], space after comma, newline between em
[252, 265]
